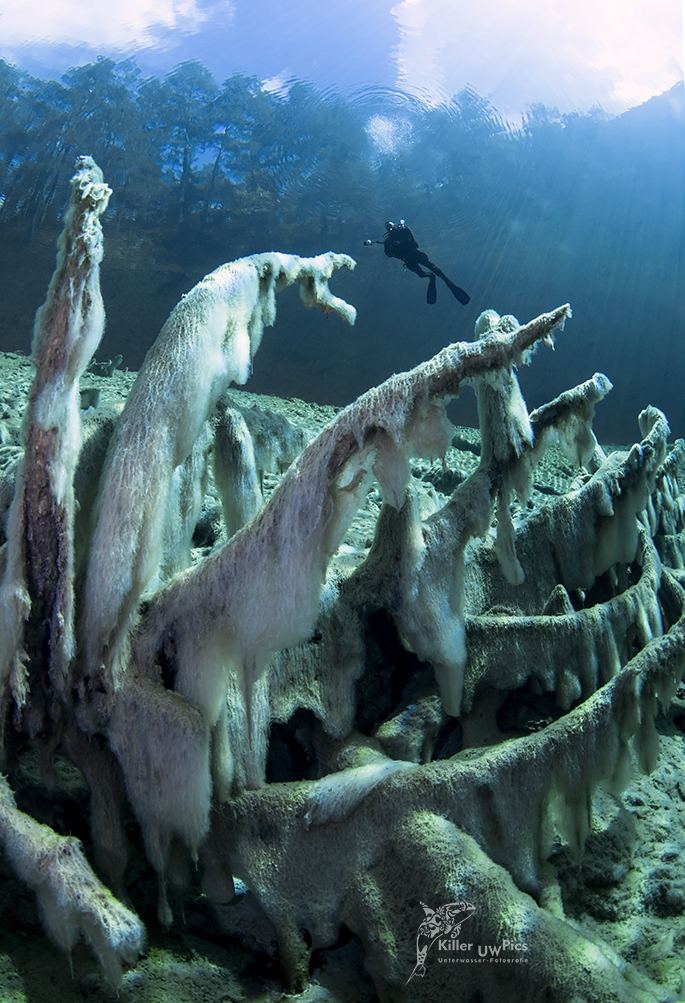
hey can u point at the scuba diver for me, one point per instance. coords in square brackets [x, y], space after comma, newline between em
[399, 242]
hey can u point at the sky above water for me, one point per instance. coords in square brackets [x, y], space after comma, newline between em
[572, 54]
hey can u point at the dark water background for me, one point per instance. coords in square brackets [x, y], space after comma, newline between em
[580, 208]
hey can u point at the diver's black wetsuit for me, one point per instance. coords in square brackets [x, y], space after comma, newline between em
[399, 242]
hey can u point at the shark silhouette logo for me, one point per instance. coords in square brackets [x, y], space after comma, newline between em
[445, 921]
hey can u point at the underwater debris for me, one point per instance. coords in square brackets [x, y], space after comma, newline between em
[73, 901]
[162, 680]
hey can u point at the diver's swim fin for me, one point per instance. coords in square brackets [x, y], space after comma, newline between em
[432, 293]
[463, 297]
[456, 291]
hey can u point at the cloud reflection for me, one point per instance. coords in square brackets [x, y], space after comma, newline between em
[569, 55]
[107, 26]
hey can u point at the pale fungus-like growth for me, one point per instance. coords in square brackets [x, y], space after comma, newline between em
[163, 673]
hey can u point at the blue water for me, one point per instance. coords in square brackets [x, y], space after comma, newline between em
[582, 208]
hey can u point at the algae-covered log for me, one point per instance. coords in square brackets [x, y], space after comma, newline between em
[208, 617]
[37, 640]
[73, 901]
[207, 342]
[459, 829]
